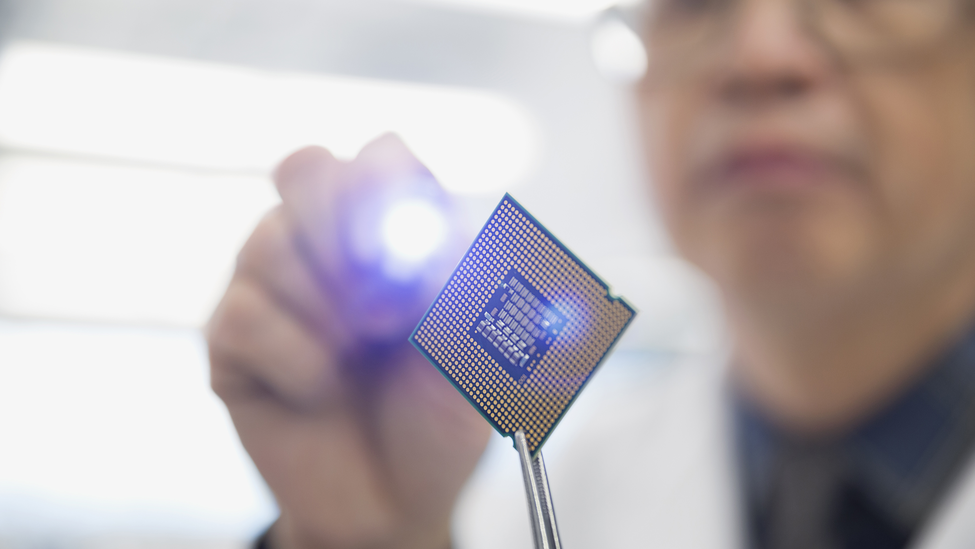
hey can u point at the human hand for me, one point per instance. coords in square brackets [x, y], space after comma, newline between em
[362, 441]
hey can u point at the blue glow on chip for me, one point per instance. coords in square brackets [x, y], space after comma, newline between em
[521, 325]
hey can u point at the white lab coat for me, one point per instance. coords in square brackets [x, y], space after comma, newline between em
[652, 468]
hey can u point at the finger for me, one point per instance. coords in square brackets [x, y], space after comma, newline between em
[388, 156]
[271, 257]
[254, 344]
[324, 194]
[338, 208]
[400, 175]
[310, 183]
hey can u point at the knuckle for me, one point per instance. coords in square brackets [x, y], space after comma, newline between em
[235, 316]
[229, 334]
[266, 243]
[220, 377]
[301, 165]
[389, 154]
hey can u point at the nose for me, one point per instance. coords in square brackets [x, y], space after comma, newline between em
[769, 58]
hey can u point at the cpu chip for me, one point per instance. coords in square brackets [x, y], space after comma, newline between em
[521, 325]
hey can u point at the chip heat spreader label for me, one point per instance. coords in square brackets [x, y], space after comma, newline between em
[521, 325]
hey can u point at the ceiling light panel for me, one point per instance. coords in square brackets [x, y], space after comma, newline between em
[109, 243]
[118, 105]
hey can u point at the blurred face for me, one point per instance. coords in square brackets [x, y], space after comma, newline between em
[813, 154]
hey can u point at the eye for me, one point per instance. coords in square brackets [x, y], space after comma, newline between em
[675, 26]
[680, 19]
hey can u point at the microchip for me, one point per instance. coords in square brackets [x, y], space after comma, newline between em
[521, 325]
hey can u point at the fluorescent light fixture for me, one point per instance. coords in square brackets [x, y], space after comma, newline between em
[561, 10]
[110, 104]
[90, 241]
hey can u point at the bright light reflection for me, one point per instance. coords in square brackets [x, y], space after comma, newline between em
[112, 104]
[412, 230]
[617, 51]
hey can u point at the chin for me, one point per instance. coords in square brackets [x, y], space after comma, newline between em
[780, 296]
[789, 274]
[787, 253]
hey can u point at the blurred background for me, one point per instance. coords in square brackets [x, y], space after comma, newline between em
[136, 139]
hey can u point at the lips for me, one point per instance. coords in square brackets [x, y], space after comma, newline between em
[774, 166]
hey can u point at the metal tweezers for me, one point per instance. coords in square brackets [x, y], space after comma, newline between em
[540, 509]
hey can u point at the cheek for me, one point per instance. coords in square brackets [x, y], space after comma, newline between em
[924, 131]
[822, 239]
[666, 117]
[749, 242]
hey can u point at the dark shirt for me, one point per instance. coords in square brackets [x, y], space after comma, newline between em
[873, 488]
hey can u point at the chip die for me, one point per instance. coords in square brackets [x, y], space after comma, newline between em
[521, 325]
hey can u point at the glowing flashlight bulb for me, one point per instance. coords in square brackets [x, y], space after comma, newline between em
[412, 230]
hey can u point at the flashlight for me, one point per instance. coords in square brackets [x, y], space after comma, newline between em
[397, 230]
[412, 230]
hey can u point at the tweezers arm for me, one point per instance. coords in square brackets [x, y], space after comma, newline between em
[541, 512]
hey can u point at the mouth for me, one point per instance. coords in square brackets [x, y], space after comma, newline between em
[776, 167]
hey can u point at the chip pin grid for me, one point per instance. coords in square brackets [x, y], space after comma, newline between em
[519, 329]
